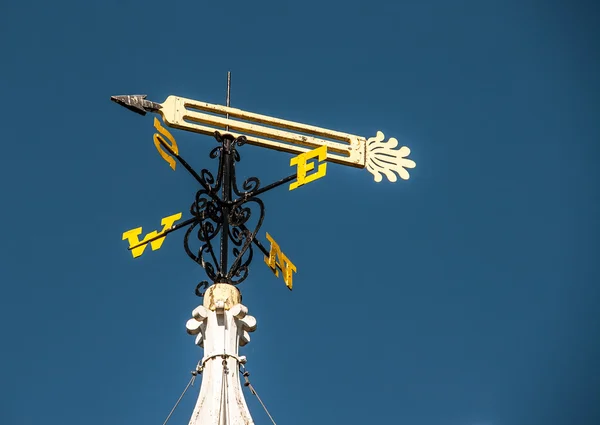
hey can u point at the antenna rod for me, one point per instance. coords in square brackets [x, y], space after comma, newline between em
[228, 93]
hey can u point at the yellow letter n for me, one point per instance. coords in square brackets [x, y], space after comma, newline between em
[284, 263]
[303, 167]
[134, 241]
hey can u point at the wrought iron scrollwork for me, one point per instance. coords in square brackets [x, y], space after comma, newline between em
[223, 228]
[202, 285]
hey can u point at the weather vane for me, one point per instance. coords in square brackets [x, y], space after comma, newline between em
[220, 207]
[222, 231]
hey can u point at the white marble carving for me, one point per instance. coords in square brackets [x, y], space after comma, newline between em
[220, 333]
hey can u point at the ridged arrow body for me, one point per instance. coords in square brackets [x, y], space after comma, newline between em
[379, 157]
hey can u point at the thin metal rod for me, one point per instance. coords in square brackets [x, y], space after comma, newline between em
[260, 245]
[191, 171]
[227, 161]
[228, 94]
[180, 397]
[266, 188]
[253, 391]
[165, 233]
[226, 192]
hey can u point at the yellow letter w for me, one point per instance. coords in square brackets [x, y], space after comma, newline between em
[133, 236]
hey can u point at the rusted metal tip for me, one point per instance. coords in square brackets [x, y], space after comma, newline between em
[136, 103]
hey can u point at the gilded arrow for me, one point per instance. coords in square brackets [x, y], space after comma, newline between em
[379, 157]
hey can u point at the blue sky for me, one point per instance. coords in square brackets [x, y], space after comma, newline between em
[467, 295]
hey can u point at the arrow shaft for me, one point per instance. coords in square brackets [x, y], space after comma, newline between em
[374, 154]
[262, 130]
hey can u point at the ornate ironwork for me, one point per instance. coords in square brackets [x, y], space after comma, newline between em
[225, 218]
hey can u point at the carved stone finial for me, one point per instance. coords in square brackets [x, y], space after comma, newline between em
[221, 328]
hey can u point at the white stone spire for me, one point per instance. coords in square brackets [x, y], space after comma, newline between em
[222, 325]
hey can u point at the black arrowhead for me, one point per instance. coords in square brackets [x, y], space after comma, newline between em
[136, 103]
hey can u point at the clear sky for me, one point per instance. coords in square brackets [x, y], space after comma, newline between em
[467, 295]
